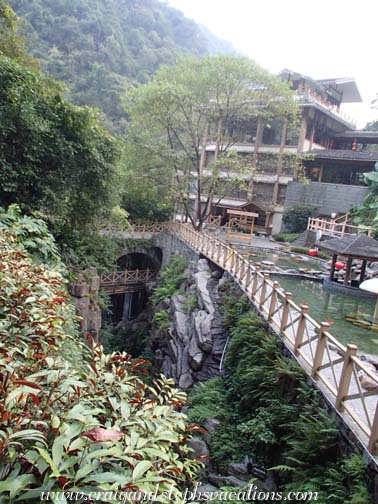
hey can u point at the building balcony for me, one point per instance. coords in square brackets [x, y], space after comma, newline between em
[311, 98]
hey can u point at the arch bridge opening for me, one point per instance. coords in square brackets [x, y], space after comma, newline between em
[129, 286]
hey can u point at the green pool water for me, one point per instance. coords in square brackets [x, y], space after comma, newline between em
[286, 261]
[334, 307]
[323, 306]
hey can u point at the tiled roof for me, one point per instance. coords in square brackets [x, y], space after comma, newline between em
[359, 245]
[347, 155]
[357, 134]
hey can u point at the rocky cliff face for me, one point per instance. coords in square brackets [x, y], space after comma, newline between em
[190, 349]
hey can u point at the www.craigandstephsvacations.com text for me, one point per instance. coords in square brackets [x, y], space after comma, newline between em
[194, 495]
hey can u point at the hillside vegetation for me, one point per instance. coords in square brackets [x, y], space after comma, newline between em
[99, 46]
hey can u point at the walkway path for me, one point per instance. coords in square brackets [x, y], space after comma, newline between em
[335, 369]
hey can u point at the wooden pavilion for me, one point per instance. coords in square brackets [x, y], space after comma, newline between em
[240, 225]
[359, 246]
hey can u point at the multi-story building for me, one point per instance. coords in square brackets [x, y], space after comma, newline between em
[335, 155]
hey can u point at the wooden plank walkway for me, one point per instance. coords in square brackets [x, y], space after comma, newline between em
[333, 367]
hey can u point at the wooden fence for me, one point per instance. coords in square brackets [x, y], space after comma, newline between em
[118, 282]
[337, 369]
[333, 227]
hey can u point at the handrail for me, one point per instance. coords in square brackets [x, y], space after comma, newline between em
[334, 228]
[127, 276]
[337, 369]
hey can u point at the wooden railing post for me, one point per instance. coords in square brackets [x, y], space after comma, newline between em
[256, 280]
[263, 291]
[248, 277]
[346, 375]
[237, 265]
[219, 252]
[300, 328]
[242, 271]
[273, 301]
[320, 347]
[373, 439]
[232, 260]
[285, 311]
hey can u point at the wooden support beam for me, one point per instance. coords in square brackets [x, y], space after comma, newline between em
[332, 270]
[348, 271]
[346, 375]
[363, 270]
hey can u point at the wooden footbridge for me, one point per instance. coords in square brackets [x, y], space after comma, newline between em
[119, 282]
[336, 370]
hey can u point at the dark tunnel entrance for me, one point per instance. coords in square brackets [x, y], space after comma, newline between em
[127, 306]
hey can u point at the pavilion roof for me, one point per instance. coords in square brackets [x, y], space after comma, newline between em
[359, 246]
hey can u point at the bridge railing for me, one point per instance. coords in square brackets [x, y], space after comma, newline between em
[127, 277]
[338, 370]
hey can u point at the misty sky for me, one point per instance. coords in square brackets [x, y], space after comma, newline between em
[320, 38]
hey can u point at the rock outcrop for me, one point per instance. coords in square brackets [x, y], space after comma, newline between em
[190, 350]
[85, 291]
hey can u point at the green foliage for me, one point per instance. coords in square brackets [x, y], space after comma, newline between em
[208, 400]
[99, 46]
[12, 41]
[270, 414]
[161, 320]
[123, 338]
[72, 417]
[54, 156]
[192, 101]
[145, 197]
[81, 251]
[286, 237]
[342, 482]
[171, 277]
[367, 213]
[32, 233]
[227, 445]
[296, 218]
[191, 302]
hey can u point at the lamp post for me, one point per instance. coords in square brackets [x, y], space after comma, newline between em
[371, 285]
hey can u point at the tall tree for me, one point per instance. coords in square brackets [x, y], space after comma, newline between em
[54, 156]
[12, 41]
[186, 106]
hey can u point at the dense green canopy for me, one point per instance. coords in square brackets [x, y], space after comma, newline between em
[98, 46]
[54, 156]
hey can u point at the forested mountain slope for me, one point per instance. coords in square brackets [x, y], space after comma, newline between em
[98, 46]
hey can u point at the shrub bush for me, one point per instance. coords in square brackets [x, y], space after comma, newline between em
[296, 218]
[171, 277]
[71, 417]
[286, 237]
